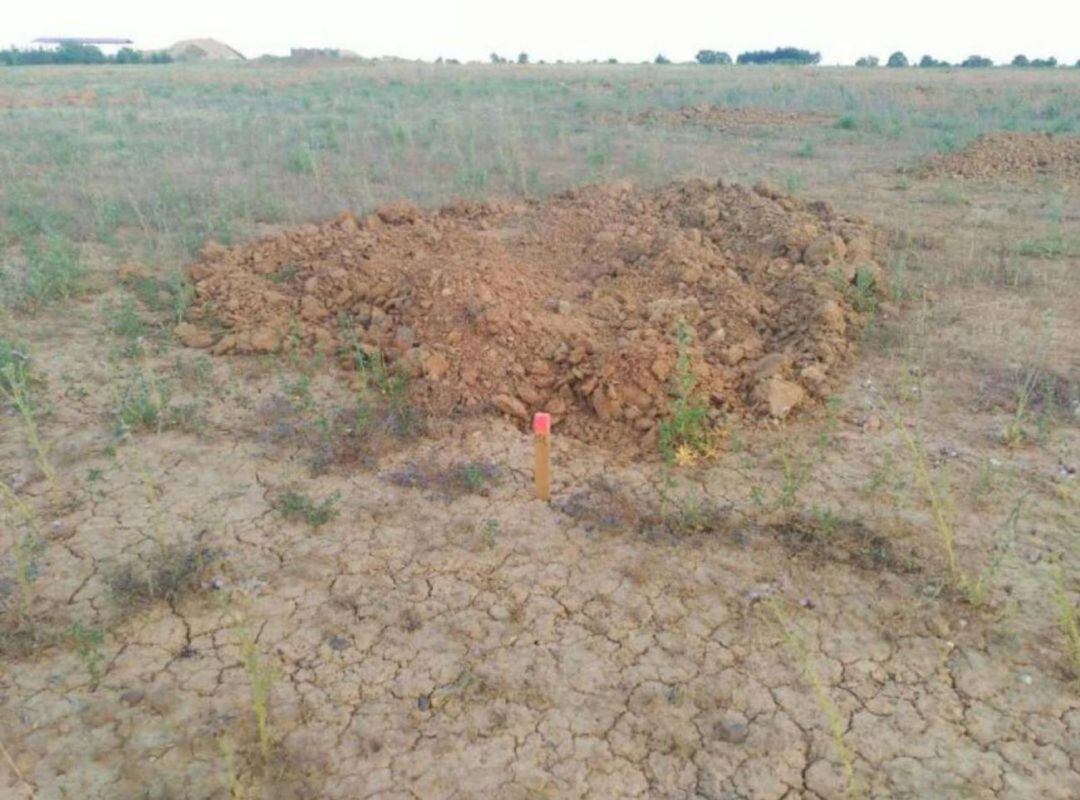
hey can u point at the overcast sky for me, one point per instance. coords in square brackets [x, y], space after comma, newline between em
[572, 29]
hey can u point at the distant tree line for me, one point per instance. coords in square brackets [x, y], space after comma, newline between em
[74, 53]
[781, 55]
[712, 57]
[898, 59]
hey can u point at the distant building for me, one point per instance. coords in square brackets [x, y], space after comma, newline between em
[109, 45]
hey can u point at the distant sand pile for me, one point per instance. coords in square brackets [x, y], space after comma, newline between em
[727, 118]
[1023, 155]
[203, 50]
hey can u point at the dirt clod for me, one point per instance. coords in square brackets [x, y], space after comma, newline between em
[570, 304]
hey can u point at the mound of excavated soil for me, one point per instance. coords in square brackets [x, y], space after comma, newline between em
[723, 118]
[569, 305]
[1021, 155]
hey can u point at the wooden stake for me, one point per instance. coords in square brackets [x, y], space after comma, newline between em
[542, 468]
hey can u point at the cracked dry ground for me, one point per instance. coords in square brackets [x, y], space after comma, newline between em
[490, 645]
[429, 644]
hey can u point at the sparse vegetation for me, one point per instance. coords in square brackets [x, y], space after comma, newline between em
[88, 644]
[450, 481]
[443, 599]
[16, 388]
[684, 435]
[261, 677]
[1069, 621]
[52, 272]
[834, 721]
[167, 574]
[296, 505]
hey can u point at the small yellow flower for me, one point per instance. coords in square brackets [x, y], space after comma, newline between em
[685, 455]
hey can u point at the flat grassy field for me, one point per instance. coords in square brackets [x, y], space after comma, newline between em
[202, 595]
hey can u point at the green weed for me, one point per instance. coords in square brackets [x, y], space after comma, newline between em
[834, 721]
[262, 678]
[684, 435]
[1068, 620]
[141, 402]
[15, 388]
[89, 646]
[296, 505]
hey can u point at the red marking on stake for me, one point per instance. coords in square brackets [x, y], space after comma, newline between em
[542, 465]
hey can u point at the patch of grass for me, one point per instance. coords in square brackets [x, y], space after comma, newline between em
[1053, 245]
[52, 272]
[847, 122]
[490, 529]
[459, 478]
[88, 644]
[302, 162]
[863, 293]
[20, 592]
[824, 534]
[949, 194]
[794, 472]
[171, 295]
[142, 402]
[125, 322]
[168, 574]
[386, 402]
[20, 633]
[16, 389]
[1069, 621]
[296, 505]
[806, 150]
[684, 435]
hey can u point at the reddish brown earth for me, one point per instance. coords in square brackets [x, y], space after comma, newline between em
[1012, 154]
[571, 304]
[727, 118]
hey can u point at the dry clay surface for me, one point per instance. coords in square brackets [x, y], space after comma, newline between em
[728, 117]
[494, 646]
[1021, 155]
[570, 305]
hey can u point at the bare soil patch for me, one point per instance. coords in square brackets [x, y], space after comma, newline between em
[1020, 155]
[728, 118]
[570, 305]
